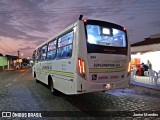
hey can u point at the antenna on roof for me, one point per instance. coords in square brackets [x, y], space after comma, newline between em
[80, 17]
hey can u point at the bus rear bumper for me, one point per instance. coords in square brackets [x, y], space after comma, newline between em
[93, 87]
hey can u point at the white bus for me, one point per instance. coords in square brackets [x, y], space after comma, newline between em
[88, 56]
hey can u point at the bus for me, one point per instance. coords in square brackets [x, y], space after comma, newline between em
[88, 56]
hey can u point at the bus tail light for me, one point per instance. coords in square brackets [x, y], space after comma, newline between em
[124, 28]
[129, 69]
[81, 67]
[84, 21]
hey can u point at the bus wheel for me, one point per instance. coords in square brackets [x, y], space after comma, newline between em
[37, 81]
[53, 91]
[34, 75]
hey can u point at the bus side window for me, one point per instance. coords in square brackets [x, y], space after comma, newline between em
[58, 55]
[64, 54]
[39, 54]
[70, 52]
[65, 45]
[43, 52]
[51, 54]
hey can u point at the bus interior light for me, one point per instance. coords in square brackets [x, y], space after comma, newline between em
[106, 31]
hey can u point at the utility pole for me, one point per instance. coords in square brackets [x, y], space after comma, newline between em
[18, 60]
[18, 54]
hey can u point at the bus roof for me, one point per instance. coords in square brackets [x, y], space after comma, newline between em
[72, 25]
[56, 35]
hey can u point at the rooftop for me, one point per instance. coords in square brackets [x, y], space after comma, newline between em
[11, 57]
[147, 41]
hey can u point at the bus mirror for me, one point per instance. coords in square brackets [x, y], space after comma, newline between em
[80, 17]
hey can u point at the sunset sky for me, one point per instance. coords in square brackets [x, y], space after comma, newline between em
[25, 24]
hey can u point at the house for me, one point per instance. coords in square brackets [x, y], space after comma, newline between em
[3, 62]
[149, 49]
[8, 62]
[11, 61]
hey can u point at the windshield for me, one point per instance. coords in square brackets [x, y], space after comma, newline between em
[104, 36]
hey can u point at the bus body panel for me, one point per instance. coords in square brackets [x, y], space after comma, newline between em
[63, 79]
[85, 86]
[98, 75]
[61, 71]
[63, 75]
[106, 67]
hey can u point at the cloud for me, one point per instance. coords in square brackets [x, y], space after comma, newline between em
[155, 23]
[26, 48]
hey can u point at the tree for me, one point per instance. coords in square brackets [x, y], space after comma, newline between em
[1, 54]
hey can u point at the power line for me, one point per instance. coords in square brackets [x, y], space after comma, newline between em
[31, 26]
[74, 9]
[6, 45]
[71, 10]
[82, 8]
[5, 49]
[127, 12]
[96, 6]
[2, 48]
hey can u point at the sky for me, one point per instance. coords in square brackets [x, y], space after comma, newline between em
[25, 24]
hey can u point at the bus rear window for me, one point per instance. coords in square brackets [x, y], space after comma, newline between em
[103, 36]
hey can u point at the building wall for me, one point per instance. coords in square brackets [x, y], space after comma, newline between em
[153, 57]
[152, 47]
[3, 61]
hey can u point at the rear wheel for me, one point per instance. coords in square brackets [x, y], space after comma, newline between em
[37, 81]
[53, 91]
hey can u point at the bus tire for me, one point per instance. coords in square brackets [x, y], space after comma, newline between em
[34, 75]
[37, 81]
[52, 89]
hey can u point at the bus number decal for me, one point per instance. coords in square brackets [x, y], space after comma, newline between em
[107, 65]
[46, 67]
[93, 57]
